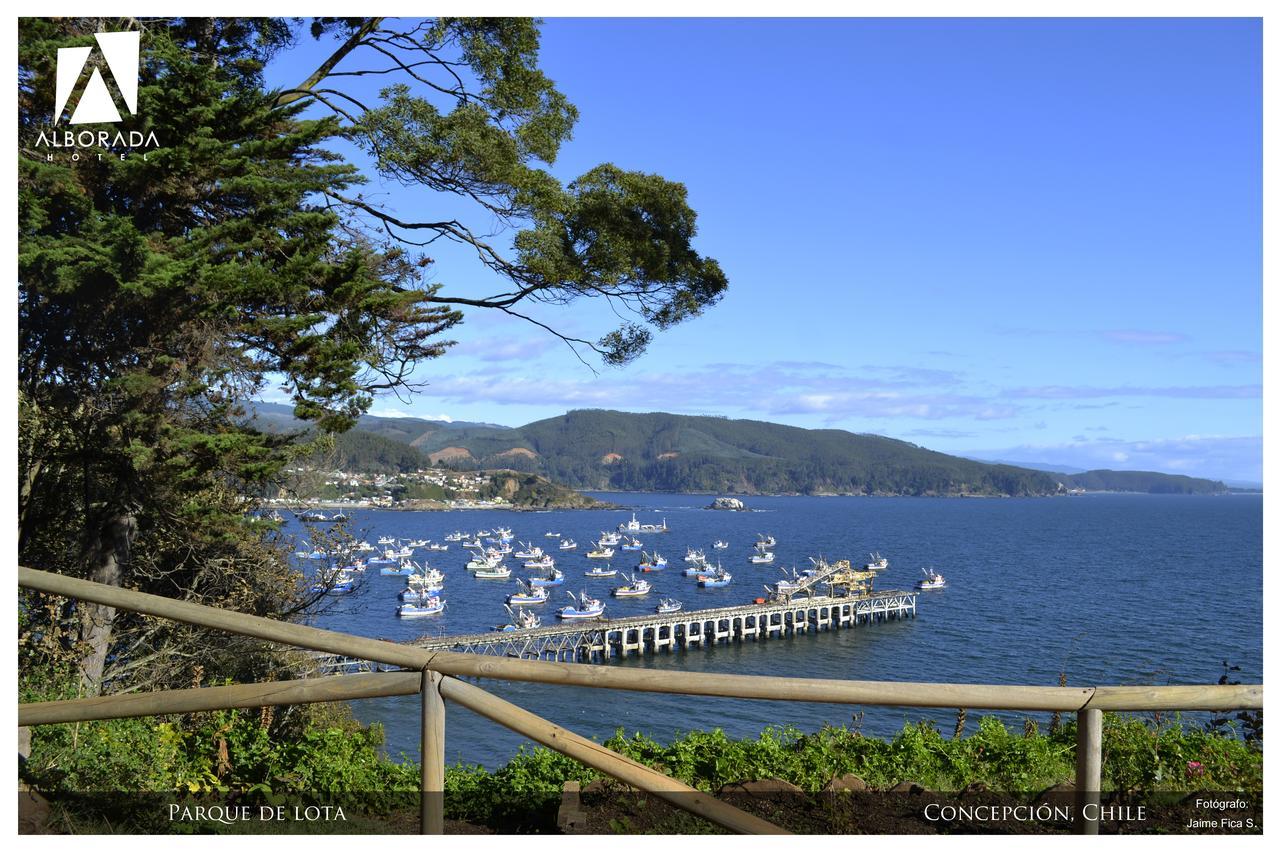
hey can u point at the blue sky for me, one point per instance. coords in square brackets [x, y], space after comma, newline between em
[1033, 240]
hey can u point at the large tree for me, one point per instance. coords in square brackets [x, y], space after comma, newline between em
[158, 294]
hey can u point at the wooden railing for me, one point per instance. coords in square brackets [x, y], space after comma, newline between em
[435, 678]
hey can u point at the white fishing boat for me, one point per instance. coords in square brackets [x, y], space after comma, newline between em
[654, 528]
[363, 547]
[337, 583]
[718, 578]
[632, 526]
[656, 563]
[608, 539]
[567, 544]
[499, 572]
[437, 546]
[632, 544]
[637, 587]
[416, 543]
[312, 515]
[601, 572]
[483, 561]
[455, 536]
[550, 535]
[543, 562]
[762, 557]
[503, 533]
[404, 569]
[521, 620]
[583, 607]
[720, 545]
[693, 555]
[764, 543]
[931, 580]
[555, 577]
[434, 604]
[386, 540]
[669, 605]
[600, 553]
[877, 564]
[404, 552]
[527, 552]
[529, 594]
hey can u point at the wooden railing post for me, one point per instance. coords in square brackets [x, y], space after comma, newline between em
[432, 817]
[1088, 771]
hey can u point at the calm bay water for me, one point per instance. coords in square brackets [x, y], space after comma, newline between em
[1116, 589]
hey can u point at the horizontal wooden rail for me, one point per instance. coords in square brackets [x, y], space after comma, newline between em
[892, 693]
[594, 755]
[336, 688]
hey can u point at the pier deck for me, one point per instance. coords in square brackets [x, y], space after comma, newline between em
[602, 639]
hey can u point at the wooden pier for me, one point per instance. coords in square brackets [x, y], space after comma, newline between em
[602, 639]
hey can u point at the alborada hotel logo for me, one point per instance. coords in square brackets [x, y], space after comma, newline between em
[90, 101]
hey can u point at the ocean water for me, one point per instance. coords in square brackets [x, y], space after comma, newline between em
[1109, 588]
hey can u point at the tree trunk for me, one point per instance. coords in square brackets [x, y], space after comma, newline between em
[107, 552]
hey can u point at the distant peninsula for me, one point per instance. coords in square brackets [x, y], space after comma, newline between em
[602, 450]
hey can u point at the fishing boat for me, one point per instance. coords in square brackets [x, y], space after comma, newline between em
[632, 526]
[656, 563]
[339, 516]
[654, 528]
[312, 515]
[421, 586]
[503, 534]
[341, 583]
[416, 543]
[600, 553]
[434, 604]
[695, 556]
[520, 620]
[386, 540]
[764, 543]
[527, 552]
[601, 572]
[583, 607]
[363, 547]
[543, 562]
[404, 552]
[608, 539]
[499, 572]
[632, 544]
[529, 594]
[637, 587]
[931, 580]
[761, 557]
[550, 535]
[669, 605]
[555, 577]
[437, 546]
[404, 569]
[567, 544]
[481, 560]
[720, 545]
[455, 536]
[480, 533]
[877, 564]
[719, 578]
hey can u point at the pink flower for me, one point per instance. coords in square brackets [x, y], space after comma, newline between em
[1195, 768]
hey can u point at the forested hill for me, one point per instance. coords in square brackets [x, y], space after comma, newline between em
[1149, 482]
[600, 449]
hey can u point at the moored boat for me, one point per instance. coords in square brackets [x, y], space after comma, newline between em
[720, 545]
[600, 553]
[529, 595]
[432, 605]
[716, 579]
[669, 605]
[637, 587]
[555, 577]
[931, 580]
[583, 607]
[601, 572]
[567, 545]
